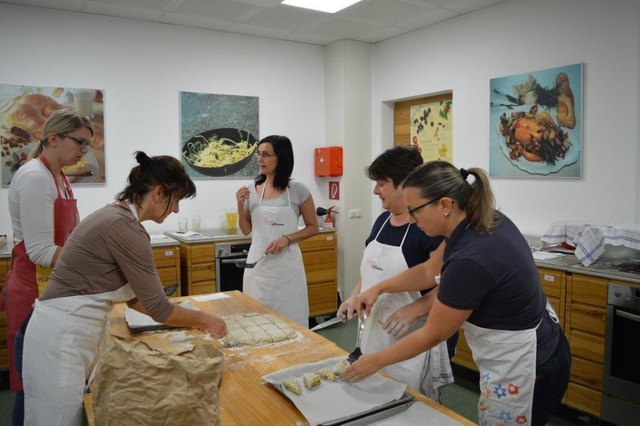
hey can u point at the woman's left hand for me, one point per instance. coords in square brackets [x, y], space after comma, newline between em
[364, 367]
[365, 301]
[276, 246]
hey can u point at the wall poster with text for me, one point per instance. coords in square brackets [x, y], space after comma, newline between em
[536, 124]
[219, 135]
[23, 113]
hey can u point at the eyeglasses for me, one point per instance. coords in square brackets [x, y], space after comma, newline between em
[83, 143]
[414, 210]
[264, 154]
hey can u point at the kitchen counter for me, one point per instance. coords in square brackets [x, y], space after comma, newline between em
[244, 397]
[217, 235]
[601, 268]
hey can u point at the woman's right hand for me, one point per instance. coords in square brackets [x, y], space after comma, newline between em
[215, 326]
[242, 195]
[365, 301]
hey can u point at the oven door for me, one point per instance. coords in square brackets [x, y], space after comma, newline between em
[229, 272]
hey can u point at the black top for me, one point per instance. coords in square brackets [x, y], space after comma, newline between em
[417, 245]
[495, 275]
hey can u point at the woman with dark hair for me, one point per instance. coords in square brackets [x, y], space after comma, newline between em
[398, 251]
[489, 286]
[269, 210]
[107, 259]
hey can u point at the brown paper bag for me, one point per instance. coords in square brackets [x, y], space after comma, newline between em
[136, 385]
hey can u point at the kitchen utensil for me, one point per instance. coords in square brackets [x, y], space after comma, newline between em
[353, 356]
[328, 323]
[248, 265]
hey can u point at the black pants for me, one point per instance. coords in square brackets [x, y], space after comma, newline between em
[552, 379]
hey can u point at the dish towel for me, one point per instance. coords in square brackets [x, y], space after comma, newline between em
[437, 371]
[593, 239]
[562, 231]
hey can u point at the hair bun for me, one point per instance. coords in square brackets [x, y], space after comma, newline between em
[142, 159]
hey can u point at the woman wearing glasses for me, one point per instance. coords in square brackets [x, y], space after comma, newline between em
[107, 259]
[490, 287]
[398, 251]
[269, 209]
[43, 214]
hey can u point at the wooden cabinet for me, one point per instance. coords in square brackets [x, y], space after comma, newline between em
[167, 261]
[197, 268]
[320, 257]
[4, 350]
[554, 284]
[586, 317]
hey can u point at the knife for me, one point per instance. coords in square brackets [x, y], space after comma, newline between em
[329, 323]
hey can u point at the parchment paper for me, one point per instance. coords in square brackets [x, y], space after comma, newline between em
[419, 414]
[334, 400]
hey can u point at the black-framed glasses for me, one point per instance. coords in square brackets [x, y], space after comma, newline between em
[82, 142]
[414, 210]
[264, 154]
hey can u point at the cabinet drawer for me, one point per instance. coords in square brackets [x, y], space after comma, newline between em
[584, 399]
[168, 276]
[588, 318]
[204, 287]
[556, 305]
[589, 290]
[166, 256]
[203, 272]
[322, 241]
[320, 266]
[586, 345]
[551, 282]
[199, 253]
[586, 373]
[323, 298]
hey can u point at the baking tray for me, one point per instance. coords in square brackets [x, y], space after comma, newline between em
[375, 414]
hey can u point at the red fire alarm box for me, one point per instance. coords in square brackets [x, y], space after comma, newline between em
[328, 161]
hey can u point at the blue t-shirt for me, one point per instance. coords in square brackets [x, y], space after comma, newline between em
[417, 245]
[495, 275]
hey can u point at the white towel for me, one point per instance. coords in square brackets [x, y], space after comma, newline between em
[594, 238]
[437, 371]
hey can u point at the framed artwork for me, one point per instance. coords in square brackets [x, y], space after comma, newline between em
[219, 135]
[431, 130]
[23, 112]
[536, 124]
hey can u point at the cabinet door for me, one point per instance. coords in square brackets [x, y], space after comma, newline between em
[167, 261]
[319, 254]
[554, 286]
[197, 266]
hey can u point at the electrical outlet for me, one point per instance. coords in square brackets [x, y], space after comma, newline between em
[355, 213]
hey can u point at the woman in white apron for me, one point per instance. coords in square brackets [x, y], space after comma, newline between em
[270, 211]
[490, 287]
[384, 258]
[107, 259]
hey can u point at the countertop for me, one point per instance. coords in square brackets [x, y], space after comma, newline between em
[217, 235]
[244, 397]
[569, 263]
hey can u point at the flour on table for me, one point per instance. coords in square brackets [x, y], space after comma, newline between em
[256, 329]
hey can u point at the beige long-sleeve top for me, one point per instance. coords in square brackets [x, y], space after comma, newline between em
[107, 250]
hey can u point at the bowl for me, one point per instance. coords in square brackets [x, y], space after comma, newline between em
[195, 145]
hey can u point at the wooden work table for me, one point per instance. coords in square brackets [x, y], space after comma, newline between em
[245, 398]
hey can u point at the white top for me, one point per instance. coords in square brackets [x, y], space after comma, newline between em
[32, 195]
[298, 194]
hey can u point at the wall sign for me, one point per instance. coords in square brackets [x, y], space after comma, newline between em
[334, 190]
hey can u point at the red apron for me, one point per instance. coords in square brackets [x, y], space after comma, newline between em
[24, 277]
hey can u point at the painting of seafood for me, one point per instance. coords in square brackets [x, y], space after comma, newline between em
[536, 124]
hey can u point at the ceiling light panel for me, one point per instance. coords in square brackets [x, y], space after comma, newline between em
[328, 6]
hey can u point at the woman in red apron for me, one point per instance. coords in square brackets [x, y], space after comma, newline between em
[43, 214]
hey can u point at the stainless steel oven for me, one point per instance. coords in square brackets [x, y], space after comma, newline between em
[621, 381]
[230, 260]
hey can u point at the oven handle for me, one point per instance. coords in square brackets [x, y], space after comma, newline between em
[234, 260]
[627, 315]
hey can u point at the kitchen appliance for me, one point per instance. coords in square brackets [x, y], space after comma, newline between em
[231, 259]
[621, 376]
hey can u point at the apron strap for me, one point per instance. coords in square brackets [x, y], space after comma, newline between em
[406, 232]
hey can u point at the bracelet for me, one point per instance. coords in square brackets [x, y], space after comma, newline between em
[288, 239]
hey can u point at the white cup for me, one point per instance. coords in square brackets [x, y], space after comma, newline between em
[183, 223]
[196, 223]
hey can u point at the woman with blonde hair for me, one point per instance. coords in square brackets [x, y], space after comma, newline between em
[43, 214]
[489, 286]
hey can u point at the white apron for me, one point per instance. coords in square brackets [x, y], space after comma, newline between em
[380, 262]
[60, 344]
[278, 280]
[507, 363]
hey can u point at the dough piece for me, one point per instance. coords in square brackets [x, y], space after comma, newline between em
[311, 380]
[255, 329]
[276, 334]
[326, 374]
[340, 366]
[232, 324]
[291, 384]
[244, 321]
[239, 337]
[261, 337]
[264, 319]
[288, 331]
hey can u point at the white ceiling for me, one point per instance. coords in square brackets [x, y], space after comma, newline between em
[370, 20]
